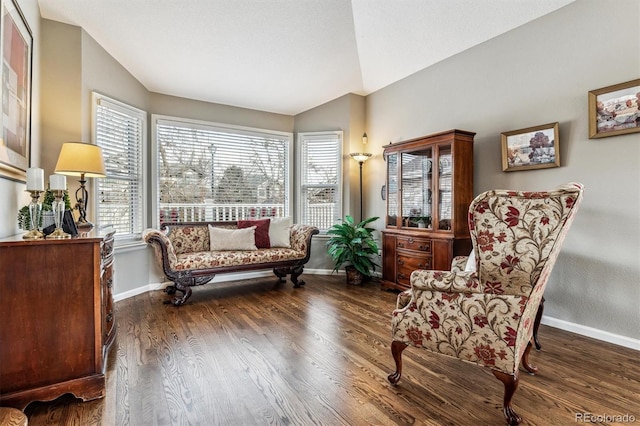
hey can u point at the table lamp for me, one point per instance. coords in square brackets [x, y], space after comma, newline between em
[84, 160]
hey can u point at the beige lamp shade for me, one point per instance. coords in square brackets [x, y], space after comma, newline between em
[79, 158]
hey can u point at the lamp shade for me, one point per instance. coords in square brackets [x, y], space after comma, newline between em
[79, 158]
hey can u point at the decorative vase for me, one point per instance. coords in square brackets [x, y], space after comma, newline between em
[354, 277]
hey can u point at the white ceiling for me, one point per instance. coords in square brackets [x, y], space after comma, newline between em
[286, 56]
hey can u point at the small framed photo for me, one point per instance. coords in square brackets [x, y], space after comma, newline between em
[614, 110]
[531, 148]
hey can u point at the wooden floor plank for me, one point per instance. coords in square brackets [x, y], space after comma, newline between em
[259, 352]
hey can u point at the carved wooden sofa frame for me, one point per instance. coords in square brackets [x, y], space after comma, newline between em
[188, 262]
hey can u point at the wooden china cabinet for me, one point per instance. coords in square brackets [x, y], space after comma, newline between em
[429, 188]
[56, 317]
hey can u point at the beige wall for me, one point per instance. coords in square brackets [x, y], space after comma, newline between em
[537, 74]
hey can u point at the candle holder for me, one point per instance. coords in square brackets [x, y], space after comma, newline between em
[58, 214]
[35, 213]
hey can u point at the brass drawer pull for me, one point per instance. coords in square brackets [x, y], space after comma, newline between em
[400, 245]
[402, 276]
[109, 317]
[400, 262]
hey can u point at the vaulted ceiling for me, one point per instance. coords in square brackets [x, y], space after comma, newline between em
[286, 56]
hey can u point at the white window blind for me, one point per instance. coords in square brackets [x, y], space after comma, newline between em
[119, 129]
[320, 178]
[209, 171]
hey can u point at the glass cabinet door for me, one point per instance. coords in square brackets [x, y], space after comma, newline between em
[392, 190]
[416, 190]
[445, 188]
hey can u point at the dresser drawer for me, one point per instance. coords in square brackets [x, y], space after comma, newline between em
[406, 264]
[410, 243]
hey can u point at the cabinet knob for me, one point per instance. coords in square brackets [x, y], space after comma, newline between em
[403, 276]
[410, 240]
[400, 245]
[110, 283]
[109, 317]
[400, 262]
[421, 247]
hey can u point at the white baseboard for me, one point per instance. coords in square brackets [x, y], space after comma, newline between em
[138, 290]
[594, 333]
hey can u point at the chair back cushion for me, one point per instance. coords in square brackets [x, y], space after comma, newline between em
[517, 236]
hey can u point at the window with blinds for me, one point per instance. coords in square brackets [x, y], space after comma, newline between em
[208, 171]
[320, 179]
[119, 129]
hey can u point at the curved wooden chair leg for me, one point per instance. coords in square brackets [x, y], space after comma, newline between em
[531, 369]
[536, 324]
[510, 386]
[396, 351]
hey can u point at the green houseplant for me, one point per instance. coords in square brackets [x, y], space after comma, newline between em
[24, 215]
[353, 244]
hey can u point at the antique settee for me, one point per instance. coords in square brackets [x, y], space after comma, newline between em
[485, 313]
[192, 253]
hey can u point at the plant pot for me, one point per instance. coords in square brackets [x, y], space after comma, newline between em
[354, 277]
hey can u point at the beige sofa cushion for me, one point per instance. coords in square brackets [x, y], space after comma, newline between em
[232, 239]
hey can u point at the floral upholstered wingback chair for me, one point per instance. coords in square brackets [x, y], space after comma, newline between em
[486, 316]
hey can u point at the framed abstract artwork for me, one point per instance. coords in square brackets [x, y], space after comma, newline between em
[16, 46]
[614, 110]
[531, 148]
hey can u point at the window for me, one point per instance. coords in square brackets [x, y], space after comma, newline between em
[208, 171]
[119, 129]
[320, 178]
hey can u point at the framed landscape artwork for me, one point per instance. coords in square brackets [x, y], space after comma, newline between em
[531, 148]
[614, 110]
[16, 43]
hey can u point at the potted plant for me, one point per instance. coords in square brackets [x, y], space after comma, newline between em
[353, 244]
[24, 215]
[422, 221]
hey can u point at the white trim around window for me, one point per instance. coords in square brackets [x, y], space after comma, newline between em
[319, 178]
[119, 199]
[204, 171]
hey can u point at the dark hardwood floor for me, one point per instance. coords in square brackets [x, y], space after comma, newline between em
[255, 353]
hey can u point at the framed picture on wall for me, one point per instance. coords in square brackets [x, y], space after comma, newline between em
[614, 110]
[16, 45]
[531, 148]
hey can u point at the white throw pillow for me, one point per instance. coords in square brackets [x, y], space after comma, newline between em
[471, 262]
[279, 231]
[232, 239]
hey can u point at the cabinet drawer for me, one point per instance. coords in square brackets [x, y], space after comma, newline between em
[407, 264]
[411, 243]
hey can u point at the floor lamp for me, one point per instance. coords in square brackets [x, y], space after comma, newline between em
[360, 157]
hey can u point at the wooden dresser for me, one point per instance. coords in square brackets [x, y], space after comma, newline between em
[56, 317]
[429, 188]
